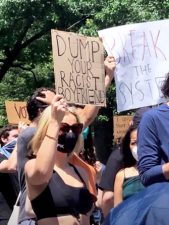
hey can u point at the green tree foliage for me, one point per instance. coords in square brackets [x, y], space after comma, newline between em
[120, 12]
[25, 30]
[25, 45]
[18, 84]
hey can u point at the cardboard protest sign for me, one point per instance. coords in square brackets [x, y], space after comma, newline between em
[121, 125]
[142, 60]
[16, 111]
[79, 68]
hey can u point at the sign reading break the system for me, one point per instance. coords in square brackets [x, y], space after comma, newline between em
[16, 112]
[121, 125]
[79, 68]
[142, 62]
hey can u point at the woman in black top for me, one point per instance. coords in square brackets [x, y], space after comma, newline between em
[57, 190]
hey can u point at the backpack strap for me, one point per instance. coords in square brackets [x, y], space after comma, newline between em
[17, 200]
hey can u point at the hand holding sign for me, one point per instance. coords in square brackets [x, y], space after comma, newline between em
[110, 66]
[58, 108]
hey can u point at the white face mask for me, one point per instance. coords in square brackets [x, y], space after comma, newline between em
[134, 153]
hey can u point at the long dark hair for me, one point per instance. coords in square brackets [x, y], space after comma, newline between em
[165, 87]
[128, 158]
[88, 152]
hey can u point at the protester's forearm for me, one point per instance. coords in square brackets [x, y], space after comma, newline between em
[46, 155]
[107, 82]
[12, 161]
[107, 202]
[6, 168]
[165, 169]
[88, 114]
[110, 66]
[153, 175]
[90, 111]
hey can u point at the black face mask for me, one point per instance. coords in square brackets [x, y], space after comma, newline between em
[67, 142]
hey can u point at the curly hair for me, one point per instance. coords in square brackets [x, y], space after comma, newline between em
[33, 104]
[165, 87]
[128, 158]
[4, 132]
[87, 154]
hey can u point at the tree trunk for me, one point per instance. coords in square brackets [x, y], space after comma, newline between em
[9, 60]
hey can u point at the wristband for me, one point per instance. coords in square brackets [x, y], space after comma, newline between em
[53, 138]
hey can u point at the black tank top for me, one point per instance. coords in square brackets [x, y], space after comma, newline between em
[52, 203]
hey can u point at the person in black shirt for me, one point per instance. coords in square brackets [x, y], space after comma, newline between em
[9, 187]
[9, 190]
[114, 164]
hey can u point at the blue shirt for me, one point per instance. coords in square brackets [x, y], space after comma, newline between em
[149, 207]
[153, 144]
[8, 148]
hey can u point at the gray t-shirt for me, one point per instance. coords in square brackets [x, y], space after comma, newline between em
[22, 152]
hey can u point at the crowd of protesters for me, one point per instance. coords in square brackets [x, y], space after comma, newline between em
[52, 165]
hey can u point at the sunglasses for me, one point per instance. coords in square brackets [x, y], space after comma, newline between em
[76, 128]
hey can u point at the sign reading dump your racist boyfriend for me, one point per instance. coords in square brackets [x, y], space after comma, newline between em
[79, 68]
[142, 58]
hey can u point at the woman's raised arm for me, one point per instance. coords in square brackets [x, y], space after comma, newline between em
[39, 170]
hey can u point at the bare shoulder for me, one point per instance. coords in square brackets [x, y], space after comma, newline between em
[128, 169]
[120, 174]
[130, 172]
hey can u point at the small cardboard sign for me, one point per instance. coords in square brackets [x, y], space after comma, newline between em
[16, 111]
[79, 68]
[121, 125]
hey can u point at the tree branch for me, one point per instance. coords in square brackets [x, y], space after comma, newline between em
[17, 49]
[26, 28]
[27, 69]
[35, 37]
[20, 39]
[78, 22]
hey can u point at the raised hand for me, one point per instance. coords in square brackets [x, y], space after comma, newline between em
[110, 65]
[58, 108]
[21, 127]
[98, 167]
[48, 97]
